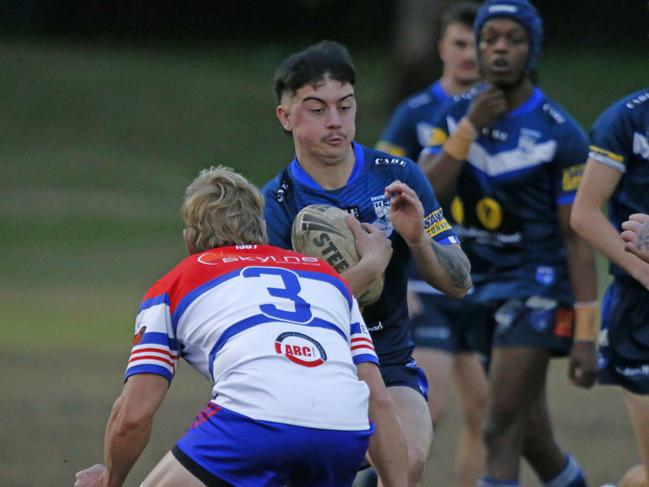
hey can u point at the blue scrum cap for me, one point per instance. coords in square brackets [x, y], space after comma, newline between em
[520, 11]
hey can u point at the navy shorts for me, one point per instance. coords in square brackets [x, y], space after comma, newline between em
[452, 325]
[534, 322]
[225, 448]
[624, 340]
[394, 347]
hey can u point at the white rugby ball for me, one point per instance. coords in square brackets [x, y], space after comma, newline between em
[321, 231]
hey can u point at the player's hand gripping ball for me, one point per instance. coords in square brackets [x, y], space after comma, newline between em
[321, 231]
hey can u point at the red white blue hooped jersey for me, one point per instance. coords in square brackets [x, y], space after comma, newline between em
[277, 333]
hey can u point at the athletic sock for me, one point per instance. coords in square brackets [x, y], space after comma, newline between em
[571, 475]
[489, 482]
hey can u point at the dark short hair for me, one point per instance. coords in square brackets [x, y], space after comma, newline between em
[459, 13]
[326, 58]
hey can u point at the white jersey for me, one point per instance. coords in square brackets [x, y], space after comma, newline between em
[277, 333]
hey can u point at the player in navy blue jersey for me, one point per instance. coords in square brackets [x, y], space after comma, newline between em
[449, 334]
[514, 159]
[617, 173]
[389, 196]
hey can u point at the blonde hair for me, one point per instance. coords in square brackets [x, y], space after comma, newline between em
[221, 208]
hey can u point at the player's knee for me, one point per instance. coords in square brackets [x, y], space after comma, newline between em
[473, 414]
[417, 458]
[499, 424]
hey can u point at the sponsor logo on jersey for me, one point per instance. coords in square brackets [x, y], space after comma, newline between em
[572, 177]
[435, 223]
[437, 137]
[643, 97]
[300, 349]
[139, 335]
[389, 161]
[373, 328]
[214, 258]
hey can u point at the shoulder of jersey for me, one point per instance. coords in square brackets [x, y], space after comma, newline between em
[278, 188]
[555, 113]
[638, 100]
[384, 160]
[419, 99]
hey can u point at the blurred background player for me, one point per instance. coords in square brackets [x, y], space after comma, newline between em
[274, 332]
[617, 174]
[514, 159]
[390, 196]
[449, 334]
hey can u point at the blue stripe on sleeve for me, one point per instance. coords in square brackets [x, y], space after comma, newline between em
[355, 328]
[148, 369]
[158, 338]
[155, 300]
[365, 357]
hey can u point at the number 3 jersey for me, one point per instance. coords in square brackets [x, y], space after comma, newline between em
[277, 333]
[517, 173]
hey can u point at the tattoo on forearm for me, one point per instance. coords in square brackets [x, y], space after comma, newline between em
[455, 263]
[642, 240]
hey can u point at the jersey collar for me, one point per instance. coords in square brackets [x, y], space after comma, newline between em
[438, 92]
[302, 177]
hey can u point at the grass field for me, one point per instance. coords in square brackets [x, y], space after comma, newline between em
[97, 145]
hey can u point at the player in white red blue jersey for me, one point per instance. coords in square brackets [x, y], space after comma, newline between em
[389, 195]
[617, 175]
[281, 339]
[514, 161]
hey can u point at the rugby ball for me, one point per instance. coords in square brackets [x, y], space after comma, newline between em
[321, 231]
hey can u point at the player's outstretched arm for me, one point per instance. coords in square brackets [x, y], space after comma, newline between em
[128, 430]
[388, 451]
[636, 235]
[445, 267]
[588, 219]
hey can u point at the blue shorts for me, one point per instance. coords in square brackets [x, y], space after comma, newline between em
[452, 325]
[534, 322]
[225, 448]
[394, 347]
[624, 347]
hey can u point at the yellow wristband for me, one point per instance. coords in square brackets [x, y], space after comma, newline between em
[458, 143]
[586, 328]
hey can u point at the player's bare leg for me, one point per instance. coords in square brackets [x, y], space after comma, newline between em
[513, 390]
[638, 408]
[169, 472]
[471, 382]
[437, 365]
[417, 428]
[539, 446]
[634, 477]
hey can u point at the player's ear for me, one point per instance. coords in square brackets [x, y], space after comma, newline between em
[282, 115]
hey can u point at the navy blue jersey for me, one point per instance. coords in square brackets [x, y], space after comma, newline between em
[363, 196]
[620, 139]
[517, 172]
[410, 128]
